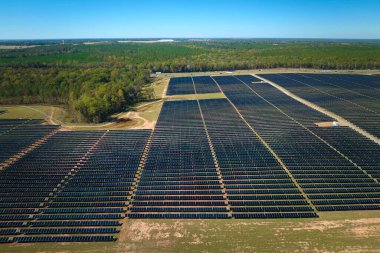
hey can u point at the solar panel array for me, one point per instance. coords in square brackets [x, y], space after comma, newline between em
[231, 174]
[287, 126]
[75, 187]
[180, 86]
[256, 154]
[354, 97]
[205, 84]
[179, 179]
[256, 184]
[191, 85]
[16, 135]
[362, 151]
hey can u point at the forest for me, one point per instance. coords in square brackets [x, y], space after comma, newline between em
[89, 94]
[204, 55]
[97, 78]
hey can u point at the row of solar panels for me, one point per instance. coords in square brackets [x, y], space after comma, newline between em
[79, 180]
[33, 239]
[191, 85]
[287, 126]
[179, 148]
[16, 135]
[354, 97]
[182, 180]
[306, 150]
[204, 161]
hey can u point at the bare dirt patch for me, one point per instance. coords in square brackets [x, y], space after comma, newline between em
[320, 226]
[364, 228]
[136, 116]
[330, 124]
[140, 231]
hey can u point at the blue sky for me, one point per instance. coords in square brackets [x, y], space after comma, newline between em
[40, 19]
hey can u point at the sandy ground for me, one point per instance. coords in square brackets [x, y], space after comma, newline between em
[135, 115]
[313, 235]
[329, 124]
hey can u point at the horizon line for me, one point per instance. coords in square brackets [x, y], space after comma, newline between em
[187, 38]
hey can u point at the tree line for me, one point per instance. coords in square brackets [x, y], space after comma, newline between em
[89, 93]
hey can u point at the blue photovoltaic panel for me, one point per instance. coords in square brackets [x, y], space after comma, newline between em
[180, 86]
[191, 85]
[205, 84]
[354, 97]
[16, 135]
[287, 127]
[74, 183]
[256, 184]
[179, 179]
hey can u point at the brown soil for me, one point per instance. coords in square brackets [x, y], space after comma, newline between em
[329, 124]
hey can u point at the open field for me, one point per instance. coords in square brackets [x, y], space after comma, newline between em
[58, 115]
[357, 231]
[52, 114]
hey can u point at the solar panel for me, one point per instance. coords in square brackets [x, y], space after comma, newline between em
[289, 131]
[180, 86]
[16, 135]
[354, 97]
[247, 166]
[75, 179]
[205, 84]
[191, 85]
[179, 179]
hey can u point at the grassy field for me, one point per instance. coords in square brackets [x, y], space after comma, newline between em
[356, 231]
[55, 113]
